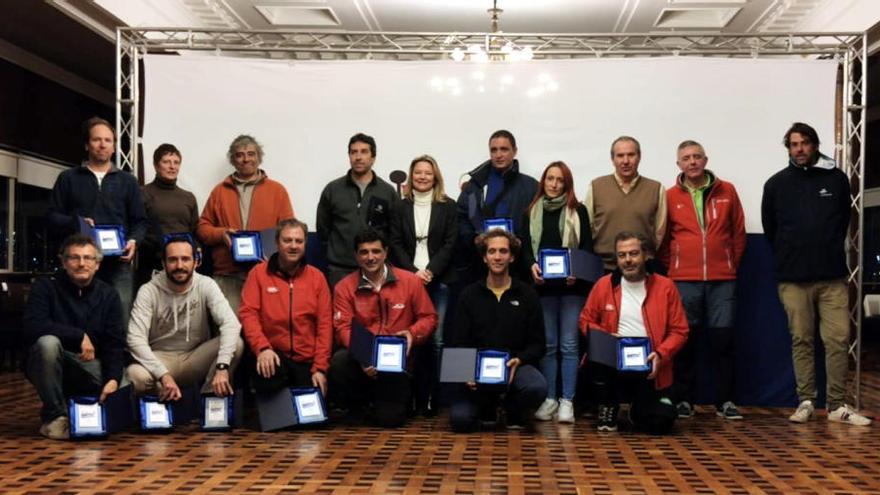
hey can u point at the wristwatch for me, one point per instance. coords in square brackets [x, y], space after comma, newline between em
[222, 366]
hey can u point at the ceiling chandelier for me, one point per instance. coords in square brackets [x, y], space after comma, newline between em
[495, 46]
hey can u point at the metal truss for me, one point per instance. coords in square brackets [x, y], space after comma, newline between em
[850, 49]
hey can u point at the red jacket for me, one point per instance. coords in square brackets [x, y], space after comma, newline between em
[662, 311]
[291, 315]
[269, 204]
[401, 304]
[692, 253]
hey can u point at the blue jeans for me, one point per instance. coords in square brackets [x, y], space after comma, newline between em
[561, 334]
[57, 373]
[521, 399]
[439, 294]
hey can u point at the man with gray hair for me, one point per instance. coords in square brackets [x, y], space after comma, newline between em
[624, 201]
[245, 200]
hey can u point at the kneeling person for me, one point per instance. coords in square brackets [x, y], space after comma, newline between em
[169, 335]
[286, 316]
[386, 301]
[500, 313]
[630, 302]
[73, 322]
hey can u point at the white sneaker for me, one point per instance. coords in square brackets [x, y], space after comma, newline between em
[545, 412]
[844, 414]
[565, 413]
[803, 413]
[57, 429]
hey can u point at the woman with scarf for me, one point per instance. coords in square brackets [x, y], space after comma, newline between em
[424, 229]
[555, 220]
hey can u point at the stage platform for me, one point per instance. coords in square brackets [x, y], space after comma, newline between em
[763, 453]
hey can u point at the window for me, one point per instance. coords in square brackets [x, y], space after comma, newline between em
[4, 222]
[35, 244]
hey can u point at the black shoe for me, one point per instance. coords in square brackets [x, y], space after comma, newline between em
[684, 409]
[607, 418]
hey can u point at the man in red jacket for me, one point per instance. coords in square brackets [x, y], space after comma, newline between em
[286, 315]
[386, 301]
[705, 240]
[632, 303]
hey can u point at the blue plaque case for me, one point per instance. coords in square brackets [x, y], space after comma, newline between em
[623, 343]
[145, 423]
[116, 231]
[77, 430]
[546, 255]
[206, 425]
[498, 223]
[312, 418]
[478, 372]
[390, 340]
[255, 238]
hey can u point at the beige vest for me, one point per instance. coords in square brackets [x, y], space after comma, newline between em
[614, 211]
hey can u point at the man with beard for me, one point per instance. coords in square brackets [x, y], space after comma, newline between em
[286, 315]
[630, 302]
[169, 335]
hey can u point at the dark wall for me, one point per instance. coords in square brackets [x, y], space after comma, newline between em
[42, 117]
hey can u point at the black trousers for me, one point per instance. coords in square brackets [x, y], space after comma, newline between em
[389, 394]
[722, 353]
[650, 409]
[288, 374]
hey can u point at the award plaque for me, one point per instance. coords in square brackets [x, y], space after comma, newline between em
[88, 418]
[633, 354]
[492, 367]
[309, 405]
[155, 415]
[110, 239]
[505, 224]
[554, 263]
[216, 413]
[389, 354]
[246, 246]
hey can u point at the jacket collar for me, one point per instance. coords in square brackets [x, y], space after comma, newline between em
[72, 288]
[364, 284]
[713, 179]
[617, 275]
[351, 180]
[274, 267]
[480, 175]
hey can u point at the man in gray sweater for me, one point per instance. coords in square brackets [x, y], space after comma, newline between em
[169, 337]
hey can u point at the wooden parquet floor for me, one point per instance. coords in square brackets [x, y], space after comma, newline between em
[762, 454]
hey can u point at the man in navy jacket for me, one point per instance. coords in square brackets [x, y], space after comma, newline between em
[73, 325]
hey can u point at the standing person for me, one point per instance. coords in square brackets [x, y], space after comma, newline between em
[424, 229]
[351, 203]
[805, 211]
[246, 200]
[625, 201]
[169, 209]
[556, 220]
[500, 313]
[630, 302]
[496, 189]
[101, 194]
[386, 301]
[73, 325]
[705, 240]
[286, 315]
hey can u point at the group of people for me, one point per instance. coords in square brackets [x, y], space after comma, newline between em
[395, 262]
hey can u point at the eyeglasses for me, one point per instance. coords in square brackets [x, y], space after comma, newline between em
[81, 259]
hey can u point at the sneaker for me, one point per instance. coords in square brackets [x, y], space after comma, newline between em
[844, 414]
[729, 411]
[684, 409]
[57, 429]
[545, 412]
[803, 413]
[607, 418]
[565, 413]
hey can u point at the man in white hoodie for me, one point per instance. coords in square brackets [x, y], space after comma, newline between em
[169, 335]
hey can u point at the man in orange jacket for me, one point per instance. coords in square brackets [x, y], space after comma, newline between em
[286, 315]
[246, 200]
[386, 301]
[705, 240]
[633, 303]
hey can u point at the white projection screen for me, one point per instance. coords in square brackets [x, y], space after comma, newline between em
[304, 112]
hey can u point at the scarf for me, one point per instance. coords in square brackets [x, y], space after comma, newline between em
[569, 226]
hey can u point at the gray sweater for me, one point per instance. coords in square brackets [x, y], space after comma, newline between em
[164, 320]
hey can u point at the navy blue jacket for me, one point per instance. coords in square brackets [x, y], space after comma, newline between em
[117, 201]
[58, 307]
[805, 213]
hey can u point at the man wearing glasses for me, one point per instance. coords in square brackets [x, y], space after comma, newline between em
[73, 326]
